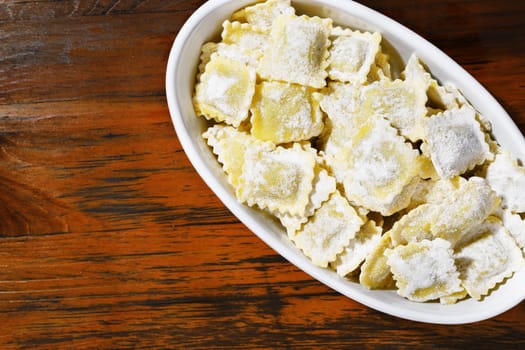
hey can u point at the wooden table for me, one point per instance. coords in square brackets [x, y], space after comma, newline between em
[108, 237]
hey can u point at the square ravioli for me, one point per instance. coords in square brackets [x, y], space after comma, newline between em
[340, 102]
[297, 51]
[400, 102]
[265, 13]
[329, 231]
[507, 178]
[279, 180]
[435, 191]
[488, 260]
[248, 38]
[225, 90]
[283, 112]
[453, 210]
[455, 141]
[378, 169]
[424, 270]
[352, 53]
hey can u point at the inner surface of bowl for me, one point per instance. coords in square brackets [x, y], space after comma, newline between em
[205, 25]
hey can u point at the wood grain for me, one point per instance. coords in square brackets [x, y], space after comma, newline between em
[108, 237]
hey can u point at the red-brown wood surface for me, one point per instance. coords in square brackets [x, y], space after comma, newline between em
[108, 237]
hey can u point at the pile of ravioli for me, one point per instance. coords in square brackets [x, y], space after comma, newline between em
[395, 182]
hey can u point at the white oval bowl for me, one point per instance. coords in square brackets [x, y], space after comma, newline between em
[205, 25]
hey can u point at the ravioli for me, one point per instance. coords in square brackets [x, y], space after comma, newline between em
[263, 14]
[378, 170]
[283, 112]
[340, 103]
[329, 231]
[225, 90]
[352, 54]
[297, 51]
[488, 260]
[279, 180]
[424, 270]
[515, 226]
[464, 210]
[375, 271]
[247, 40]
[455, 141]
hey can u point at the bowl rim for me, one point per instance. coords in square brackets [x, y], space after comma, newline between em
[394, 30]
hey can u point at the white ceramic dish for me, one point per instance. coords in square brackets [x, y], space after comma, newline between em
[205, 25]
